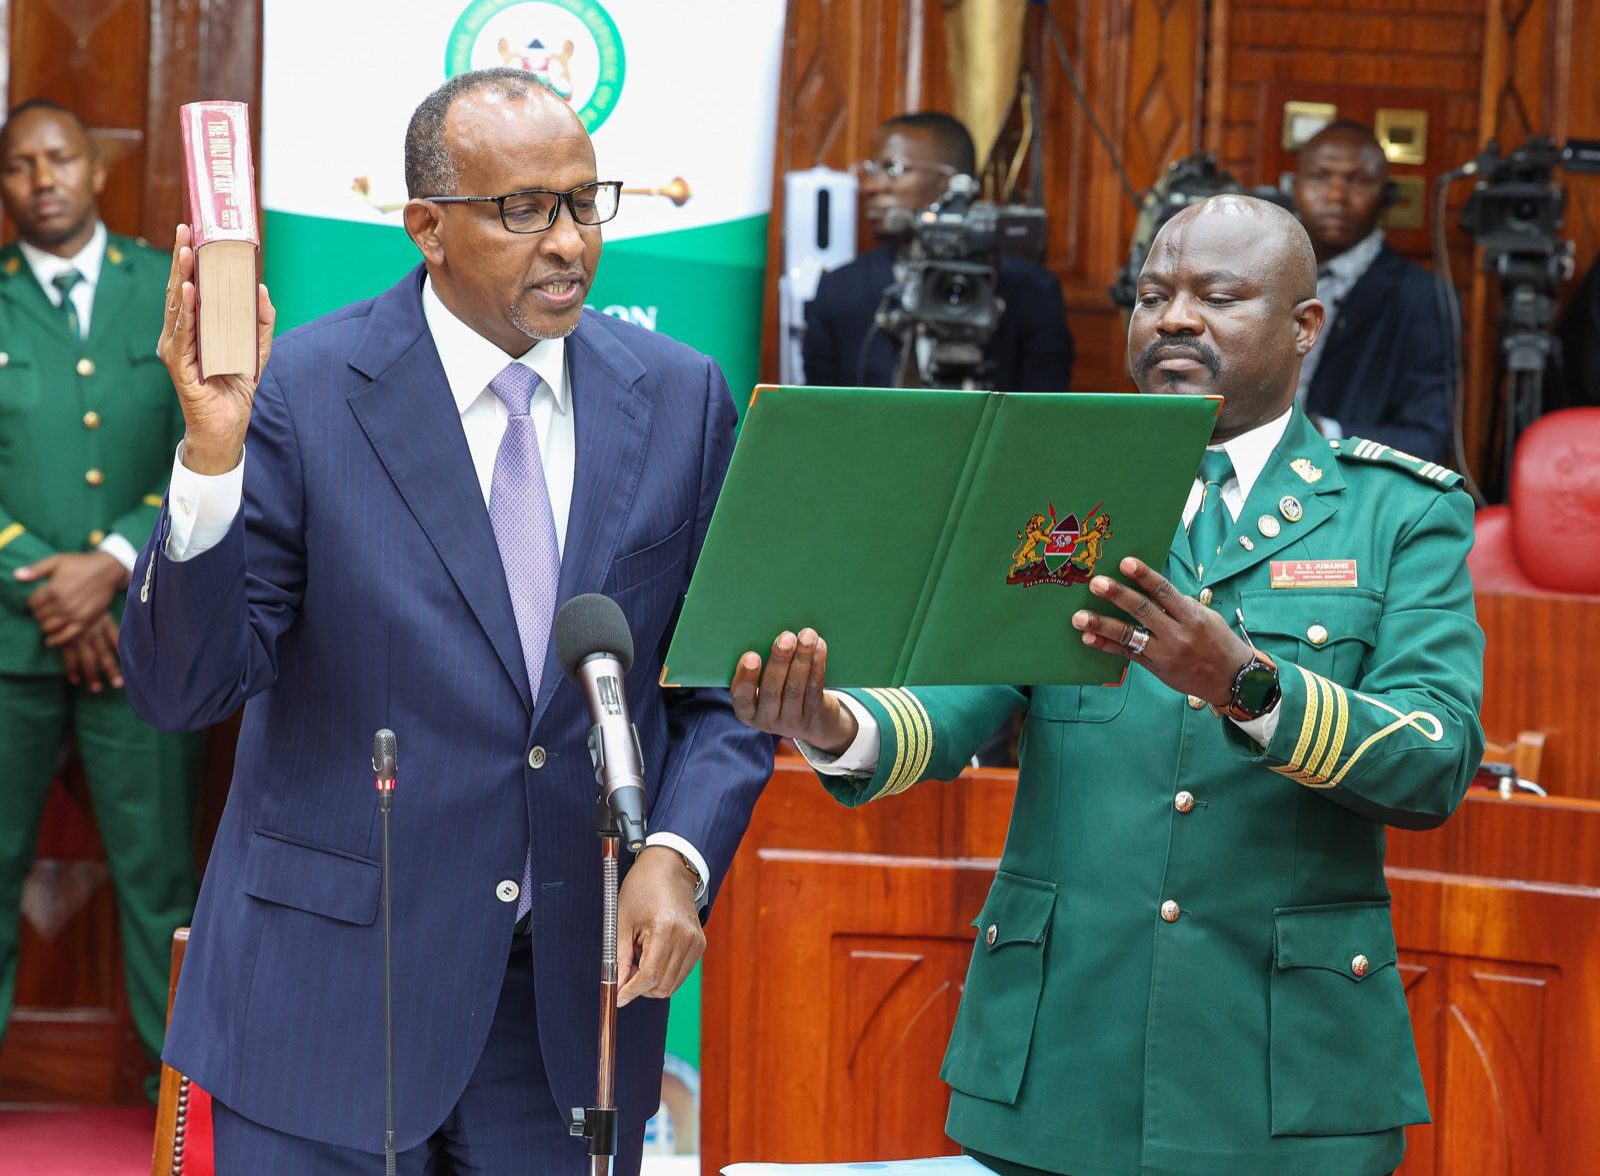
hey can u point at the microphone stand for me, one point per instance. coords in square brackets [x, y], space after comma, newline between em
[598, 1124]
[383, 764]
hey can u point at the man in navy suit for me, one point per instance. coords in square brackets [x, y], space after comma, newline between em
[911, 162]
[377, 534]
[1381, 369]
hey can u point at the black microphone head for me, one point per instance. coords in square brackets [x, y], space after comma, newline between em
[385, 754]
[590, 624]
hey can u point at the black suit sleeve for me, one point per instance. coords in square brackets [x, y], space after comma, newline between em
[1045, 350]
[819, 347]
[1420, 399]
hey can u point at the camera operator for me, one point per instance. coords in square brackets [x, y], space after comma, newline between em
[1381, 367]
[913, 158]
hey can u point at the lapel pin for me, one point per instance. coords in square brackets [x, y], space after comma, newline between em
[1289, 507]
[1247, 543]
[1309, 473]
[1268, 526]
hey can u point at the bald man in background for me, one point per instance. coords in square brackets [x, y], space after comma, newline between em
[1186, 964]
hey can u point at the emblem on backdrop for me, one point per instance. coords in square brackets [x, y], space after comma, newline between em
[572, 46]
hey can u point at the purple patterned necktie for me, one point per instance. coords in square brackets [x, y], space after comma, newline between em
[525, 529]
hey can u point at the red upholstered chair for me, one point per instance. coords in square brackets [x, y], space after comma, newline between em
[1547, 540]
[183, 1112]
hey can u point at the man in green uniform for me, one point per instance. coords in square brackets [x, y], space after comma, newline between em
[1186, 963]
[88, 426]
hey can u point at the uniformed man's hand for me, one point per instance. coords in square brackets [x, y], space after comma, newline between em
[659, 936]
[216, 412]
[92, 659]
[787, 698]
[78, 587]
[1191, 648]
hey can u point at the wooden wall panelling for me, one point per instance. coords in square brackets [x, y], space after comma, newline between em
[1497, 916]
[1540, 674]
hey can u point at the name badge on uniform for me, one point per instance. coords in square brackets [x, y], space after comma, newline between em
[1314, 573]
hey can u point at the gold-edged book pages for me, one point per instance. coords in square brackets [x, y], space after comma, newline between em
[227, 238]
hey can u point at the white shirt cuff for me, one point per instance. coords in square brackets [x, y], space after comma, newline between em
[119, 549]
[861, 757]
[202, 507]
[673, 841]
[1263, 728]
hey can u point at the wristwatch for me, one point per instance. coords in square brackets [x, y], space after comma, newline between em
[1255, 689]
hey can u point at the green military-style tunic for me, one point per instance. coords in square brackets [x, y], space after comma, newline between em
[1186, 963]
[87, 427]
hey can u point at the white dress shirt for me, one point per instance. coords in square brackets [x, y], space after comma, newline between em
[88, 262]
[1336, 277]
[1248, 452]
[202, 508]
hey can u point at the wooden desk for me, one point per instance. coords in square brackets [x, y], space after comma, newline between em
[840, 944]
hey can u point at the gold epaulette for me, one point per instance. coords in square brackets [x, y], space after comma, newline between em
[1377, 453]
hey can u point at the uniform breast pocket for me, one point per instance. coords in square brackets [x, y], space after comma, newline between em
[1327, 631]
[19, 385]
[149, 386]
[1079, 704]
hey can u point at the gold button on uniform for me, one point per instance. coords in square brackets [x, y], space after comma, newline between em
[94, 477]
[1205, 596]
[1184, 801]
[1170, 911]
[991, 934]
[96, 538]
[91, 419]
[86, 366]
[4, 359]
[1317, 635]
[1196, 702]
[1359, 965]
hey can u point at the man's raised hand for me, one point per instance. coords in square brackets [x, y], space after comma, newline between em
[216, 412]
[787, 697]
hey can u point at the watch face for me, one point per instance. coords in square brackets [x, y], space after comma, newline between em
[1254, 689]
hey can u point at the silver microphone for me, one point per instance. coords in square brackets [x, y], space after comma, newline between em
[595, 649]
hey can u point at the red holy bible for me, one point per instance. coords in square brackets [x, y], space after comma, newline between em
[222, 214]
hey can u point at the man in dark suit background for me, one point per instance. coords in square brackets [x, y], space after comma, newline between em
[377, 534]
[1381, 367]
[911, 162]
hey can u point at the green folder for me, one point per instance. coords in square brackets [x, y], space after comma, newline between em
[934, 537]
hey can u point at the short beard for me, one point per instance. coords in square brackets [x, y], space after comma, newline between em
[46, 240]
[520, 321]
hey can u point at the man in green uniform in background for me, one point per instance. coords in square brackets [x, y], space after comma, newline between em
[1186, 965]
[88, 426]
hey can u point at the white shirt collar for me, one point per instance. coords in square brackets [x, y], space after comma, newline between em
[471, 361]
[1354, 261]
[1250, 451]
[87, 261]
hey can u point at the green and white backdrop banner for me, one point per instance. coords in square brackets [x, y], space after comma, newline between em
[677, 94]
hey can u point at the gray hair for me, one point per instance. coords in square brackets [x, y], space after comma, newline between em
[431, 167]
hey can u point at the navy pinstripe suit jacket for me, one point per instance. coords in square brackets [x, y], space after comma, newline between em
[361, 588]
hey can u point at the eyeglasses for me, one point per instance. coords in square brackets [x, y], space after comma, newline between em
[535, 209]
[893, 169]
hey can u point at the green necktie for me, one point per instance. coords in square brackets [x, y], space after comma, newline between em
[64, 282]
[1211, 522]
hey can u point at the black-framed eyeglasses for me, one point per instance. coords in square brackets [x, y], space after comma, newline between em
[535, 209]
[893, 169]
